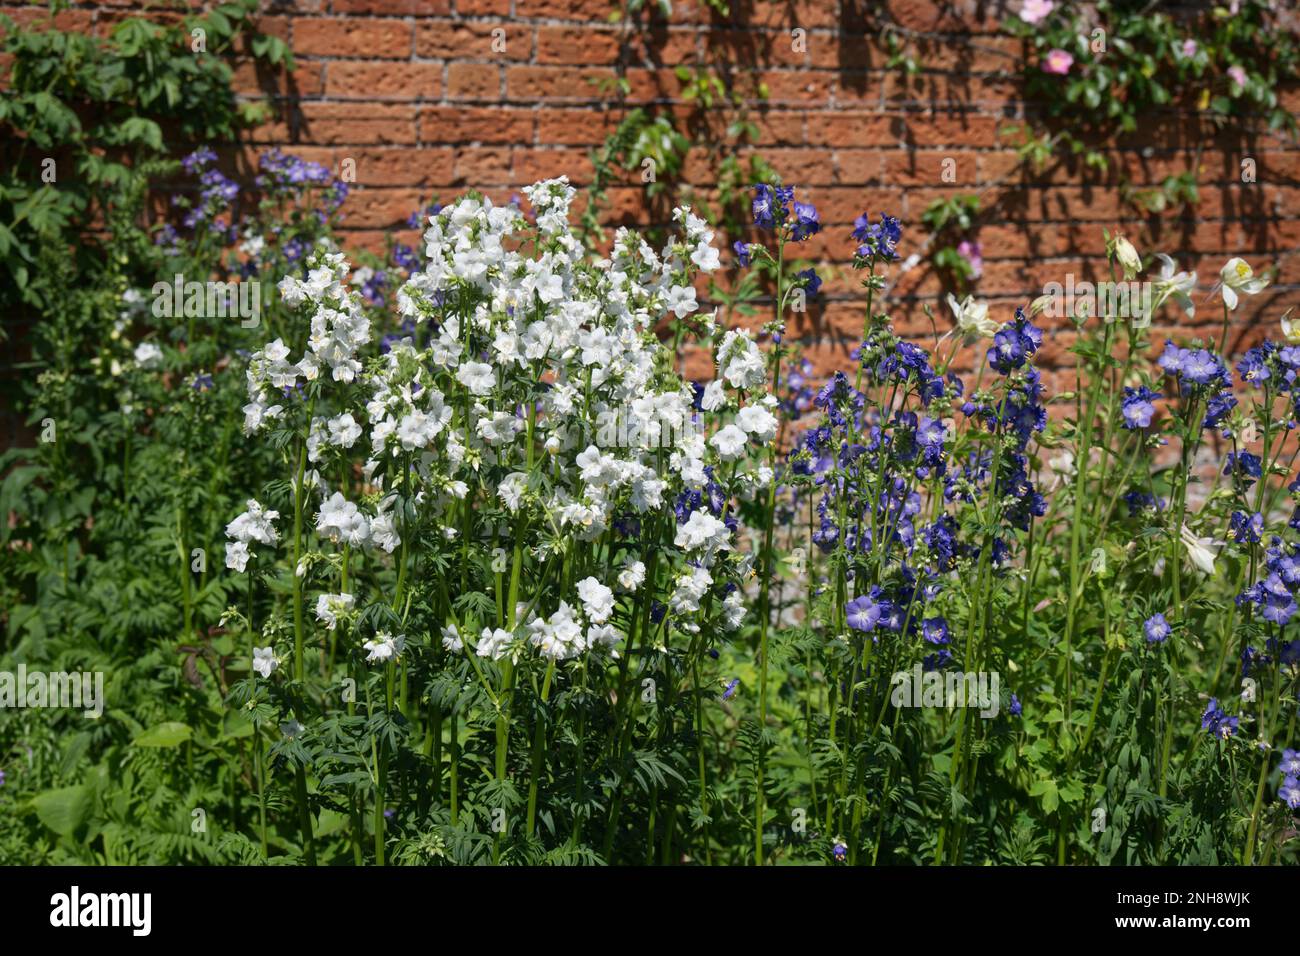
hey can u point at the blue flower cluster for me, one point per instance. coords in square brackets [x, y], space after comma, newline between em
[775, 207]
[1217, 723]
[1138, 407]
[1275, 594]
[869, 463]
[1288, 790]
[1200, 371]
[878, 241]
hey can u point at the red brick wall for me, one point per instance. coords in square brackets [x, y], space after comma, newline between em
[413, 91]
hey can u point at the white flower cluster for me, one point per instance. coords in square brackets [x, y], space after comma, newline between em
[524, 352]
[254, 525]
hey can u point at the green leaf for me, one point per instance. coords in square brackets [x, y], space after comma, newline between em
[1046, 791]
[63, 810]
[169, 734]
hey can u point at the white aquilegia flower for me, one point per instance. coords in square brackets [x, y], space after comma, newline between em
[1173, 286]
[330, 607]
[1238, 278]
[384, 648]
[972, 317]
[1290, 328]
[148, 355]
[1200, 550]
[597, 600]
[264, 661]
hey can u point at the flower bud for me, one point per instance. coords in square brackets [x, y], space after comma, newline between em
[1126, 256]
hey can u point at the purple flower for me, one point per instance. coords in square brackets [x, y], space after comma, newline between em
[1288, 792]
[1202, 367]
[1013, 707]
[1194, 367]
[935, 630]
[1138, 408]
[731, 688]
[742, 252]
[200, 158]
[1244, 466]
[878, 241]
[930, 436]
[770, 205]
[813, 283]
[1014, 343]
[404, 257]
[1253, 367]
[1157, 629]
[1290, 765]
[1217, 723]
[1247, 529]
[806, 222]
[863, 614]
[1218, 407]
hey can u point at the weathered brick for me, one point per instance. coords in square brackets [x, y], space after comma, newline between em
[555, 83]
[393, 8]
[449, 40]
[336, 36]
[471, 125]
[473, 81]
[582, 45]
[364, 80]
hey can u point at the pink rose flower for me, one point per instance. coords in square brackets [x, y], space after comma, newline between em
[1058, 61]
[972, 253]
[1035, 10]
